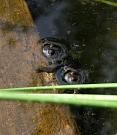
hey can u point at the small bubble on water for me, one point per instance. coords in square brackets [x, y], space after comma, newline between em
[68, 32]
[83, 44]
[76, 45]
[108, 28]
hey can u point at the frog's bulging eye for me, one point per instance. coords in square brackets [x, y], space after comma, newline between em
[53, 50]
[71, 77]
[68, 75]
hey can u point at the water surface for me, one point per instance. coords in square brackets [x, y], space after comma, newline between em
[91, 30]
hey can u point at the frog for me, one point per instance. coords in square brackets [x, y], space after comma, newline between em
[60, 62]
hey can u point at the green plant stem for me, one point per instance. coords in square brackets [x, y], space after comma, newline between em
[68, 99]
[107, 2]
[62, 87]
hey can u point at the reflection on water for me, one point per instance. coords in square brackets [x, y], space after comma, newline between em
[91, 30]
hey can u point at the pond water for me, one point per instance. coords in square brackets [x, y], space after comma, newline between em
[90, 28]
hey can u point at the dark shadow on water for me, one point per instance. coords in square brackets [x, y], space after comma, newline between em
[91, 30]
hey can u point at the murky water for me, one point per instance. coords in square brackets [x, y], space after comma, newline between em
[90, 28]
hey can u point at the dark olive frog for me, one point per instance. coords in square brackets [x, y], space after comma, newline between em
[59, 62]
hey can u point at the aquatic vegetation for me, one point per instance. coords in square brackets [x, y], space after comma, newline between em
[23, 94]
[61, 87]
[80, 99]
[108, 2]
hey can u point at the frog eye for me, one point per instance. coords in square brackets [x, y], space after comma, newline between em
[54, 51]
[51, 52]
[74, 77]
[71, 77]
[47, 51]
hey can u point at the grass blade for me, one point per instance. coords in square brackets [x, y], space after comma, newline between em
[107, 2]
[68, 99]
[62, 87]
